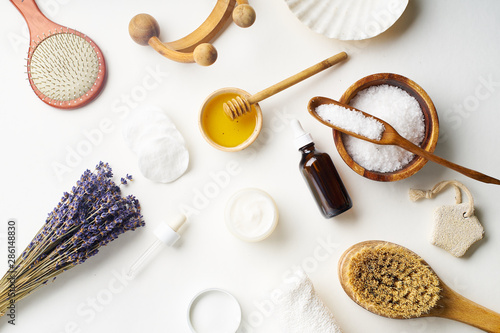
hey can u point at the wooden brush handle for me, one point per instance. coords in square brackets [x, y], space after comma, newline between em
[37, 22]
[459, 308]
[402, 142]
[268, 92]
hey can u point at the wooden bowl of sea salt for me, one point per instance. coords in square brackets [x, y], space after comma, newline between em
[404, 105]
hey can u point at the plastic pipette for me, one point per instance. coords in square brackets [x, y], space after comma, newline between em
[166, 234]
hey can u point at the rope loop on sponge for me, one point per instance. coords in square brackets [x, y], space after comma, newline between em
[420, 194]
[416, 194]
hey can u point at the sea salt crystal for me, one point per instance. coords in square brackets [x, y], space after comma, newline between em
[396, 107]
[351, 120]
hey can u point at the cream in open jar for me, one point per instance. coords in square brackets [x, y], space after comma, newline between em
[251, 215]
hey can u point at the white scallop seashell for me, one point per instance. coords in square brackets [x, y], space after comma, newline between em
[348, 19]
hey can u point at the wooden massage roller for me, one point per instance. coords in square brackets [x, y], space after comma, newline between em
[195, 47]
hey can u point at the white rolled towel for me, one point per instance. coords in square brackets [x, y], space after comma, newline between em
[301, 310]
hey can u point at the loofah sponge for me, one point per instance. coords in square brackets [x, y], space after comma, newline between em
[392, 281]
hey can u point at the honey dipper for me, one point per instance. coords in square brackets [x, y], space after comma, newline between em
[241, 104]
[391, 281]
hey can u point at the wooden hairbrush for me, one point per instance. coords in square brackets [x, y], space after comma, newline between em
[66, 69]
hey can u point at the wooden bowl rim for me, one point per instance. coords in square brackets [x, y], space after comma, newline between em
[251, 138]
[431, 120]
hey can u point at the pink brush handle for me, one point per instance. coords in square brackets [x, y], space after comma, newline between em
[38, 24]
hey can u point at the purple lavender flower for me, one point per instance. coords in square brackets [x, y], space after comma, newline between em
[91, 215]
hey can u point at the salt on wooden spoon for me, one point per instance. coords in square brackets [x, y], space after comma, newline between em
[391, 281]
[387, 135]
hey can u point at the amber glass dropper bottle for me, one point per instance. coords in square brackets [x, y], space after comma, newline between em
[320, 174]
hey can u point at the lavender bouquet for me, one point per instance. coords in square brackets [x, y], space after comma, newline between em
[90, 216]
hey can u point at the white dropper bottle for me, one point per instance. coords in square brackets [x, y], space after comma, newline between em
[166, 234]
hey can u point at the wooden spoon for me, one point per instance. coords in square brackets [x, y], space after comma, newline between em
[451, 305]
[241, 104]
[391, 137]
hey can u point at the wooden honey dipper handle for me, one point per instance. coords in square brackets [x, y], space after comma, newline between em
[306, 73]
[240, 105]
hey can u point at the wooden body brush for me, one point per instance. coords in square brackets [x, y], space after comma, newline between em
[392, 281]
[66, 69]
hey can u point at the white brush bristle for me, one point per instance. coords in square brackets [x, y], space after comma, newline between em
[64, 67]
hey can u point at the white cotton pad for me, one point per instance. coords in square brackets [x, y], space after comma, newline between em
[163, 160]
[148, 122]
[159, 146]
[301, 310]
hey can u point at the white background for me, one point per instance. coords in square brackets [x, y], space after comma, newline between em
[450, 48]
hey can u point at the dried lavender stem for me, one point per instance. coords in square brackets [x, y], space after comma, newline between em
[91, 215]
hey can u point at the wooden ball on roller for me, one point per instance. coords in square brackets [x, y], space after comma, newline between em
[244, 15]
[205, 54]
[142, 27]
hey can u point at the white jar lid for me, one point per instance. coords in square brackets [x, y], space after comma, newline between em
[251, 215]
[214, 311]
